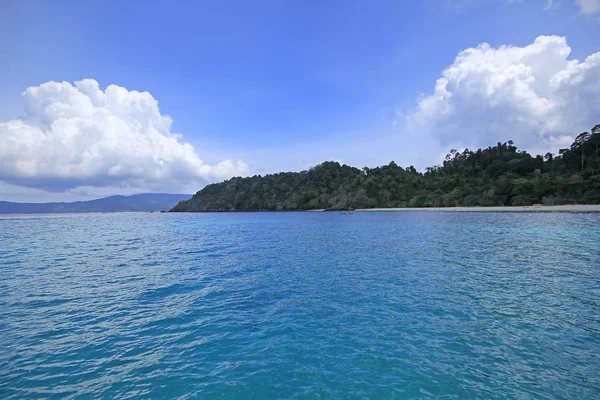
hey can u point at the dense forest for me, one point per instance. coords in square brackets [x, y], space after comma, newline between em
[496, 176]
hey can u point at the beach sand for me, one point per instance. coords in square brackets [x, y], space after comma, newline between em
[563, 208]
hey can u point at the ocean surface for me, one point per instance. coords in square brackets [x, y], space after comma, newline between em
[300, 305]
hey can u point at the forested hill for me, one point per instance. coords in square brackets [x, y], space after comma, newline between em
[496, 176]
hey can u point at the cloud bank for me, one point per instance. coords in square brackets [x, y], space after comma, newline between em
[77, 134]
[533, 95]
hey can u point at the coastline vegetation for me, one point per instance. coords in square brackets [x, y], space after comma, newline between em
[501, 175]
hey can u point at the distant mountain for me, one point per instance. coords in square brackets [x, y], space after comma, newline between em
[136, 202]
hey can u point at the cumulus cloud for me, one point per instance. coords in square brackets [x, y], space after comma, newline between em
[534, 95]
[588, 7]
[75, 135]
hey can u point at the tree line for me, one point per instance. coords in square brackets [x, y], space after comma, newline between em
[496, 176]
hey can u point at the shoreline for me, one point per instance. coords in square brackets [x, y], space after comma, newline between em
[561, 208]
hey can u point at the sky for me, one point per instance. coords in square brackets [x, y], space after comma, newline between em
[121, 97]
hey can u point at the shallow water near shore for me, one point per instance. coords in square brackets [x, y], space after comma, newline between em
[575, 208]
[300, 305]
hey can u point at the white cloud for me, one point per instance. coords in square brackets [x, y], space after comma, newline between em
[533, 95]
[588, 7]
[76, 135]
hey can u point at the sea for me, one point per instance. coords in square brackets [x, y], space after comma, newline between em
[306, 305]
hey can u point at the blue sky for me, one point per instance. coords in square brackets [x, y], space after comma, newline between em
[273, 85]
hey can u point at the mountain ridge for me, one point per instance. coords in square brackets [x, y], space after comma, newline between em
[143, 202]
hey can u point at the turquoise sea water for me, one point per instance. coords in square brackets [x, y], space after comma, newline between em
[300, 305]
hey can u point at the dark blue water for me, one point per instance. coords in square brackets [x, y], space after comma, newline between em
[300, 305]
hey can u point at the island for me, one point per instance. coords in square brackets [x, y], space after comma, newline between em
[501, 175]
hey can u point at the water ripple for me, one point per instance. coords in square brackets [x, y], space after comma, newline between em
[300, 305]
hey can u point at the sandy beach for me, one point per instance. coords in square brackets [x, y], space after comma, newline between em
[563, 208]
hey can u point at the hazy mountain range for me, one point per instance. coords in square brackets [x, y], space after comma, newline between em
[136, 202]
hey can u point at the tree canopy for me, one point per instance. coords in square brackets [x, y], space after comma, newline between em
[495, 176]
